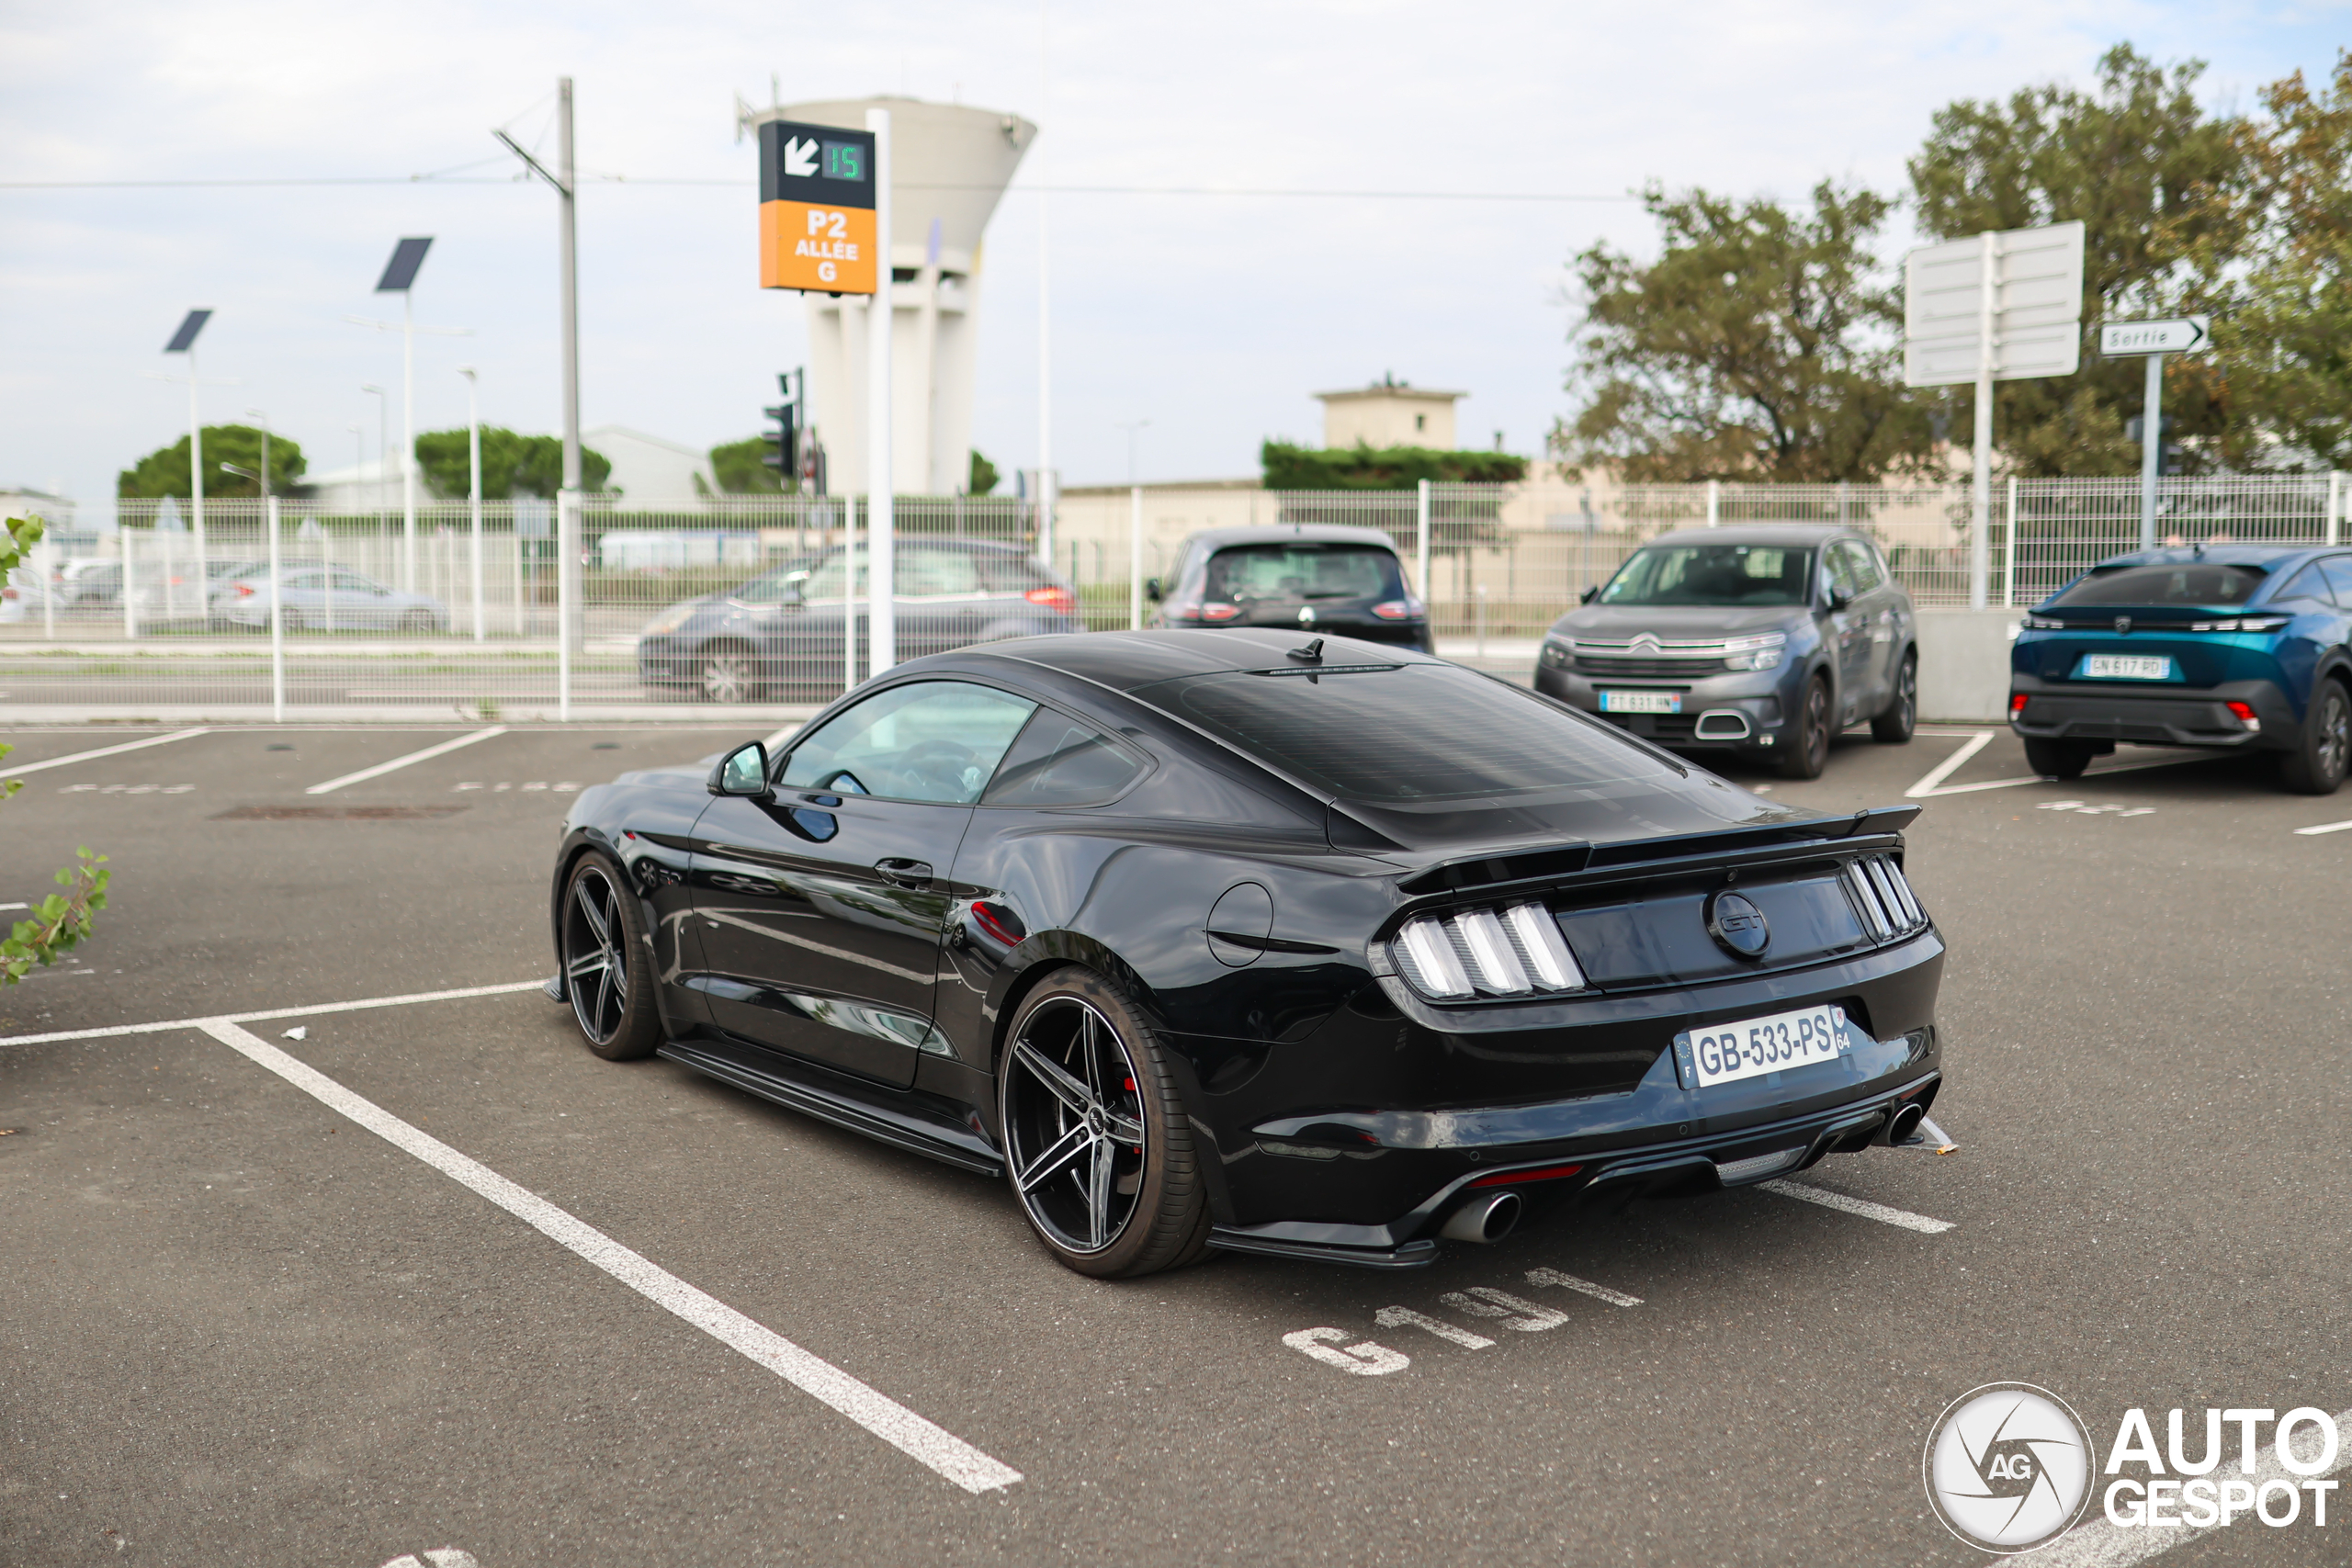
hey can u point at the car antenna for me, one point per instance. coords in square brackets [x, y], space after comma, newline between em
[1312, 652]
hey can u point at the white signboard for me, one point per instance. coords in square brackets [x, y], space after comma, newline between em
[2037, 306]
[2176, 335]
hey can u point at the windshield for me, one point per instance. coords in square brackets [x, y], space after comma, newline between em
[1728, 575]
[1304, 572]
[1406, 733]
[2197, 582]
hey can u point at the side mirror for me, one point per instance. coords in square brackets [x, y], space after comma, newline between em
[743, 771]
[1151, 589]
[1838, 598]
[1589, 594]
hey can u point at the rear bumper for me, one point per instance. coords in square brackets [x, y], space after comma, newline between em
[2075, 711]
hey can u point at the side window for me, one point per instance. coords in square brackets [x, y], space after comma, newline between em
[1005, 572]
[352, 582]
[927, 572]
[2337, 569]
[929, 740]
[2308, 583]
[825, 582]
[1865, 565]
[1059, 762]
[1837, 565]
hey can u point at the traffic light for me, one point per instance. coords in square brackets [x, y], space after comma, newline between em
[784, 442]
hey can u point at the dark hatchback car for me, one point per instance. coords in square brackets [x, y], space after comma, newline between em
[780, 633]
[2230, 647]
[1319, 948]
[1766, 640]
[1317, 578]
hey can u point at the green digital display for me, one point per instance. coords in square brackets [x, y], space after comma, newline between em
[844, 160]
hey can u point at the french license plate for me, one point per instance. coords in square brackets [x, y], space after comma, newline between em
[1641, 702]
[1751, 1047]
[2126, 666]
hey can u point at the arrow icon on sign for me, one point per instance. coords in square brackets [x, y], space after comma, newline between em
[800, 157]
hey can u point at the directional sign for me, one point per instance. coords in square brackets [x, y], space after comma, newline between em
[2173, 334]
[2037, 306]
[816, 208]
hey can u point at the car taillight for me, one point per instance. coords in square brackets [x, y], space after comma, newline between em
[1055, 597]
[1538, 1173]
[245, 590]
[2247, 716]
[1396, 610]
[9, 593]
[1515, 951]
[2017, 704]
[1219, 611]
[1887, 905]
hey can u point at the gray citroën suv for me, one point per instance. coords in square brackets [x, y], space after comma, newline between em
[1765, 640]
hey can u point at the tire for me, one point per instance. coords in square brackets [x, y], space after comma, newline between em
[1893, 726]
[2317, 765]
[1103, 1205]
[2057, 759]
[608, 965]
[1808, 752]
[727, 676]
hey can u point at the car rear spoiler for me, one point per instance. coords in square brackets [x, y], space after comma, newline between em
[1566, 860]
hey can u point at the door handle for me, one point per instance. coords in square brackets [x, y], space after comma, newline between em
[904, 872]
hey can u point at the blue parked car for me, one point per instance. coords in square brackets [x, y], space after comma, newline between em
[2232, 647]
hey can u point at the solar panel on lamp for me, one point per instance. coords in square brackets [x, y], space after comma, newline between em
[401, 271]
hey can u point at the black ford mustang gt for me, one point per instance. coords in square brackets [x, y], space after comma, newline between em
[1228, 939]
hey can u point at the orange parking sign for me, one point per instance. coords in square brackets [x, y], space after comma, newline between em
[816, 226]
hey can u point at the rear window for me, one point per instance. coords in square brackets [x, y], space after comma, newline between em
[1304, 572]
[2197, 582]
[1410, 733]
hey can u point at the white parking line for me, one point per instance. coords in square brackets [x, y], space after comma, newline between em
[313, 1010]
[1949, 765]
[2099, 1545]
[1863, 1206]
[2323, 828]
[942, 1450]
[380, 768]
[12, 771]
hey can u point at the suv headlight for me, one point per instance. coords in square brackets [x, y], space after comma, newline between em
[671, 619]
[1760, 652]
[2044, 624]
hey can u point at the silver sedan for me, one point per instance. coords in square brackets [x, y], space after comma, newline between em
[329, 599]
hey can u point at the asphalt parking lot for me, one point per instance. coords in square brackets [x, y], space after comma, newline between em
[238, 1325]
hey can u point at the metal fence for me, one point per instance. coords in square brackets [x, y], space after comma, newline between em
[495, 616]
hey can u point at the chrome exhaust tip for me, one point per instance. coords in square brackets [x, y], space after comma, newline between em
[1905, 1121]
[1486, 1217]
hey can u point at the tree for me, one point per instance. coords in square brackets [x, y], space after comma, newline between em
[741, 467]
[983, 476]
[164, 470]
[511, 465]
[1363, 467]
[1761, 344]
[2167, 197]
[63, 919]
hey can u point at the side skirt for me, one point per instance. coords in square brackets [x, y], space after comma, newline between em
[910, 1129]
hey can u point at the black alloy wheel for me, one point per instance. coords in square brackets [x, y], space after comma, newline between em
[2317, 766]
[1893, 726]
[2057, 759]
[606, 969]
[1097, 1143]
[1808, 751]
[727, 676]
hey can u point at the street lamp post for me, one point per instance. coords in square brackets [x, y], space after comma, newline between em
[399, 277]
[383, 456]
[473, 462]
[277, 600]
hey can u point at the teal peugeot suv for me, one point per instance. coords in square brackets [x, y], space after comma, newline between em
[2230, 647]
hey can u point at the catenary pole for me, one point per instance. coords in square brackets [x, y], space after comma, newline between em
[1980, 499]
[567, 574]
[2152, 446]
[277, 616]
[1046, 485]
[881, 522]
[196, 484]
[473, 490]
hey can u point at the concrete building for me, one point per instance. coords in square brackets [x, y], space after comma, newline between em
[949, 166]
[1389, 412]
[648, 470]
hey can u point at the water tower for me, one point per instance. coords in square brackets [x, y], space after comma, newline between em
[949, 166]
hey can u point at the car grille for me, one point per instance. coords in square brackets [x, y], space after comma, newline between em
[1657, 725]
[1648, 668]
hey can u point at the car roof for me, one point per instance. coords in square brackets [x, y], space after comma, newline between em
[1760, 533]
[2266, 557]
[1292, 533]
[1126, 660]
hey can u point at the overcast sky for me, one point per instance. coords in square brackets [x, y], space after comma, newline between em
[1214, 317]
